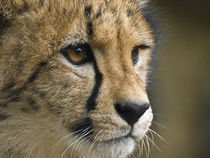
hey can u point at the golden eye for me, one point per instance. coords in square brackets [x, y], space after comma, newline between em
[135, 55]
[77, 54]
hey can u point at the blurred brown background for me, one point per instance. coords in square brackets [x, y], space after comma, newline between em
[181, 81]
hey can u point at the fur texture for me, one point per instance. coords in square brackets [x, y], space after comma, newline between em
[50, 108]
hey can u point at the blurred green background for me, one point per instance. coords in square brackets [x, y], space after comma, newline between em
[181, 80]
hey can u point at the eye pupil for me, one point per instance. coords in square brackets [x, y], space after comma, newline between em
[78, 50]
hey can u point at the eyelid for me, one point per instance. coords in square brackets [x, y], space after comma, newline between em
[142, 47]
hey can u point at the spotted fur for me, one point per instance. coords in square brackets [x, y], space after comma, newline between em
[50, 108]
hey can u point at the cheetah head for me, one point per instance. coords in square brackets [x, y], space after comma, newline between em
[81, 66]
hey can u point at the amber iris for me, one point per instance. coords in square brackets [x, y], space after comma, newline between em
[76, 54]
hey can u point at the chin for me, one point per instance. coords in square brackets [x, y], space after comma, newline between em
[115, 148]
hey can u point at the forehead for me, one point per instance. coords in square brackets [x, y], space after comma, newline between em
[102, 22]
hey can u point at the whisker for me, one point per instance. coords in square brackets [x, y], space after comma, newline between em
[161, 138]
[94, 141]
[82, 140]
[148, 147]
[69, 146]
[76, 141]
[63, 138]
[154, 144]
[144, 146]
[141, 148]
[159, 125]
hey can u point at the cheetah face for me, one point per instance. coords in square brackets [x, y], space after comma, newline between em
[86, 66]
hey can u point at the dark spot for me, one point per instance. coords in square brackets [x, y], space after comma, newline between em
[88, 11]
[54, 108]
[8, 86]
[91, 102]
[15, 99]
[84, 128]
[118, 23]
[35, 74]
[25, 110]
[4, 105]
[114, 11]
[41, 3]
[3, 116]
[66, 85]
[90, 28]
[42, 94]
[118, 34]
[78, 75]
[16, 92]
[32, 104]
[129, 13]
[31, 101]
[4, 23]
[43, 63]
[64, 11]
[98, 14]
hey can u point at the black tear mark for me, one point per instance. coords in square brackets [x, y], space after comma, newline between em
[91, 102]
[84, 128]
[88, 11]
[3, 116]
[90, 29]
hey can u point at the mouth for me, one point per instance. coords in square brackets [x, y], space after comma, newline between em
[118, 139]
[118, 146]
[121, 139]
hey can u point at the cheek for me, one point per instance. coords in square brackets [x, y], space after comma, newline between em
[67, 90]
[142, 126]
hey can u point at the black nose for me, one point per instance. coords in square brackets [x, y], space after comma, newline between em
[131, 112]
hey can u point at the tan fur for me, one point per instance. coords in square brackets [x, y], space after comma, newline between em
[39, 114]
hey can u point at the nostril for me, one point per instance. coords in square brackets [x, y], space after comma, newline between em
[131, 112]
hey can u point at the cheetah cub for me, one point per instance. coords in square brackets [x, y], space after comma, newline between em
[73, 75]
